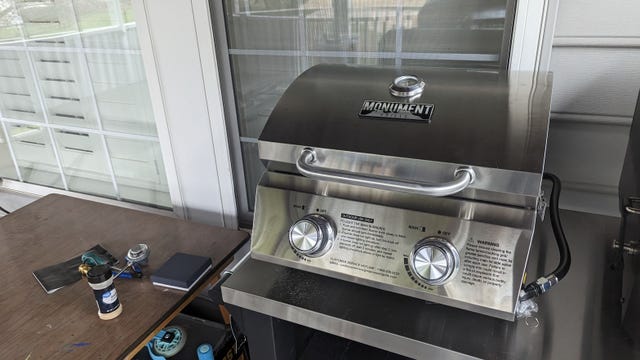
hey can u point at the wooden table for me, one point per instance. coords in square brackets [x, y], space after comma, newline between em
[65, 324]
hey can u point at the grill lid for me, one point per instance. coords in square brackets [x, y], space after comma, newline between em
[416, 123]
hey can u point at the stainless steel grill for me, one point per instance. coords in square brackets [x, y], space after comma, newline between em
[420, 181]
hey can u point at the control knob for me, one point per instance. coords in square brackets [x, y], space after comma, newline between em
[312, 235]
[434, 260]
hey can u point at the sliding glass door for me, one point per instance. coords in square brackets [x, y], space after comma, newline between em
[75, 111]
[265, 44]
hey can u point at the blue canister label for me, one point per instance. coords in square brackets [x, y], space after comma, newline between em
[107, 299]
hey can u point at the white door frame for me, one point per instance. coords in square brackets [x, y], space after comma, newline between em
[532, 38]
[177, 48]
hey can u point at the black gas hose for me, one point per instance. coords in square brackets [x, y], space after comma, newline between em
[545, 283]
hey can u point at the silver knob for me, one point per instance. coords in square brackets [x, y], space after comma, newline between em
[406, 86]
[312, 235]
[434, 260]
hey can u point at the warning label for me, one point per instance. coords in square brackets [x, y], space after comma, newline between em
[486, 263]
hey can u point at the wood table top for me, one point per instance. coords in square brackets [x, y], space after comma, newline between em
[65, 324]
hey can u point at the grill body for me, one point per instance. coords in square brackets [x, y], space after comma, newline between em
[432, 195]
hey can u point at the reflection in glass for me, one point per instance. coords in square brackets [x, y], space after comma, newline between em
[34, 154]
[7, 168]
[94, 14]
[9, 22]
[350, 26]
[121, 93]
[127, 11]
[18, 97]
[44, 18]
[84, 162]
[139, 171]
[253, 169]
[425, 28]
[72, 70]
[63, 85]
[272, 41]
[269, 25]
[259, 82]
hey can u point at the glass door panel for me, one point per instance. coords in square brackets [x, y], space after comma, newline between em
[74, 100]
[139, 172]
[18, 95]
[259, 81]
[7, 167]
[270, 42]
[35, 155]
[84, 162]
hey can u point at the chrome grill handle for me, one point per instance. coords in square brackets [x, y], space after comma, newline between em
[463, 176]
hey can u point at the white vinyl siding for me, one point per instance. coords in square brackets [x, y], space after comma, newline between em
[596, 65]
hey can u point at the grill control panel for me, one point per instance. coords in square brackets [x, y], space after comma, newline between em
[473, 265]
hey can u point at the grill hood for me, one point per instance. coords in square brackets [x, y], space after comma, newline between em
[494, 122]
